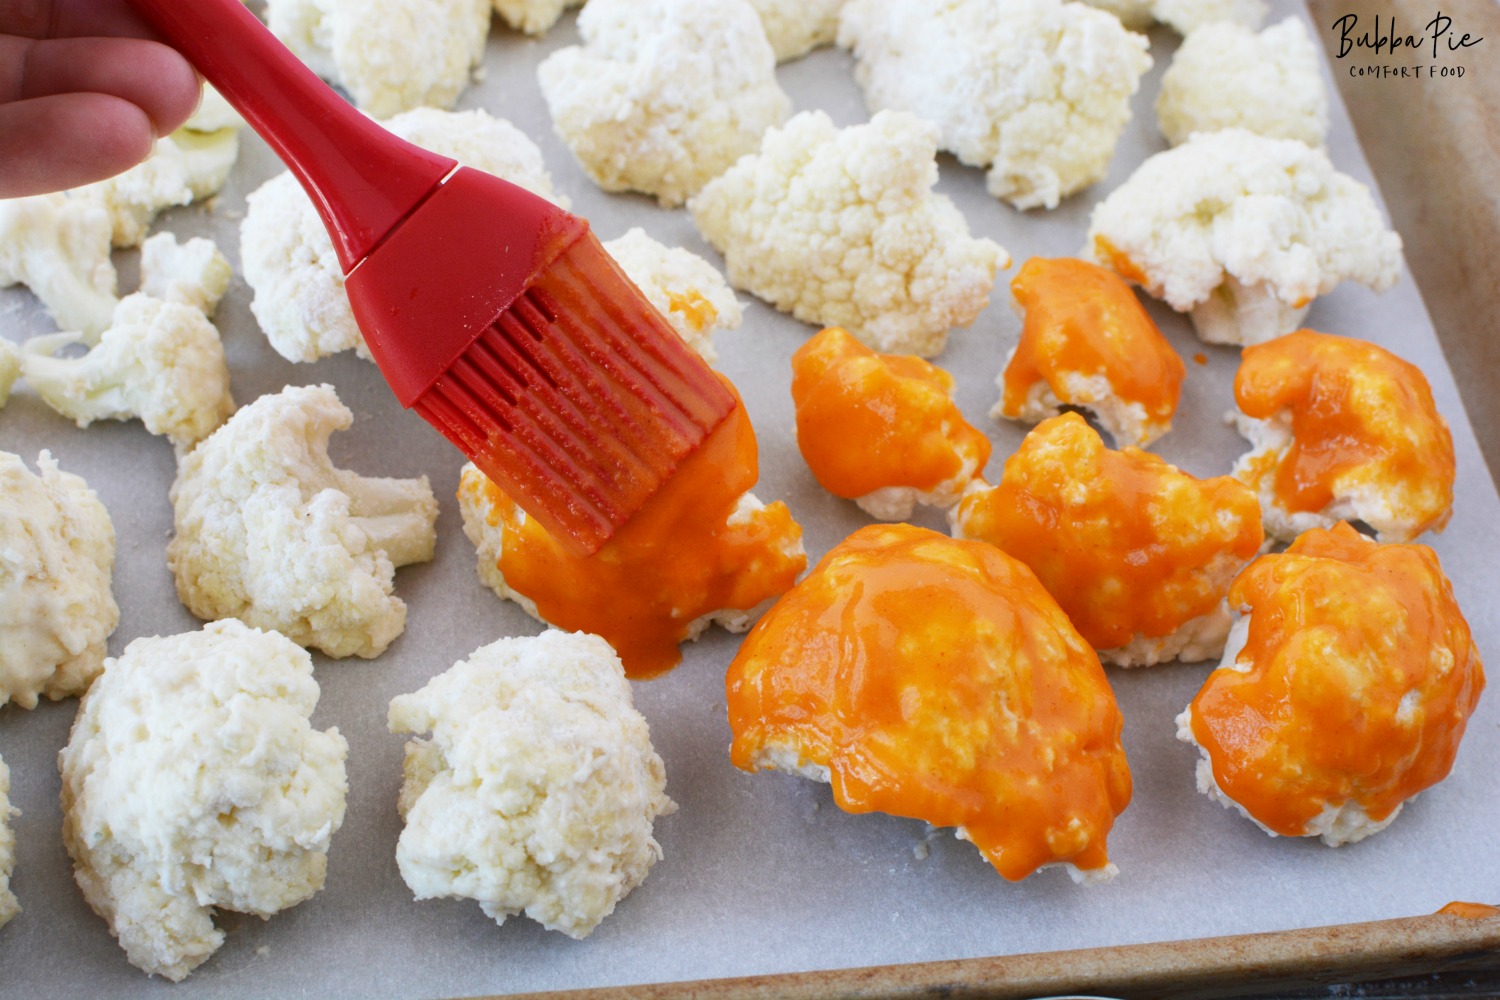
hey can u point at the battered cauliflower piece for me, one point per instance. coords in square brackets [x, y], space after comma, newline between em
[57, 559]
[533, 16]
[1243, 232]
[1358, 669]
[1035, 91]
[933, 678]
[9, 907]
[663, 95]
[841, 227]
[289, 261]
[796, 27]
[1227, 76]
[195, 273]
[1138, 553]
[881, 429]
[192, 782]
[59, 247]
[10, 368]
[262, 486]
[1342, 430]
[539, 786]
[1086, 342]
[159, 361]
[686, 289]
[702, 551]
[390, 55]
[1186, 16]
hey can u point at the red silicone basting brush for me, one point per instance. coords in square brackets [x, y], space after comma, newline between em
[493, 313]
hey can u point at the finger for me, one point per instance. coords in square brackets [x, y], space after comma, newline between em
[147, 74]
[71, 19]
[63, 141]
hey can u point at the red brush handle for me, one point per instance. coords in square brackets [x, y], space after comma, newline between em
[363, 179]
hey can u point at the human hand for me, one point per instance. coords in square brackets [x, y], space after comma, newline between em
[84, 92]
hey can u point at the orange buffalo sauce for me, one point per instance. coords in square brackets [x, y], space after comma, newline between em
[1362, 421]
[688, 553]
[1470, 911]
[1355, 685]
[1083, 320]
[866, 421]
[1128, 545]
[935, 679]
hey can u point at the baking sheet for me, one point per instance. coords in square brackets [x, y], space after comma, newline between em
[762, 873]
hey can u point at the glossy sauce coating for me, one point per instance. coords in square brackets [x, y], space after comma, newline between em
[935, 679]
[1356, 682]
[1127, 544]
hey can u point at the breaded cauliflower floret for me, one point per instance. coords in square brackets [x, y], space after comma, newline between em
[533, 16]
[195, 273]
[1227, 76]
[796, 27]
[59, 247]
[881, 429]
[159, 361]
[1138, 553]
[1342, 430]
[1186, 16]
[9, 907]
[289, 261]
[10, 368]
[391, 55]
[1344, 691]
[664, 94]
[1243, 232]
[262, 488]
[57, 558]
[1035, 91]
[840, 227]
[539, 786]
[192, 781]
[686, 289]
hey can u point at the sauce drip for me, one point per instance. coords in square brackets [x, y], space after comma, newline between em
[937, 680]
[1470, 911]
[1362, 676]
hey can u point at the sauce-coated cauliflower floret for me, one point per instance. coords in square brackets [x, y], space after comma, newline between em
[1344, 691]
[1186, 16]
[664, 94]
[881, 429]
[391, 55]
[9, 907]
[1243, 232]
[159, 361]
[1342, 430]
[262, 487]
[1138, 553]
[796, 27]
[10, 368]
[59, 247]
[533, 16]
[686, 289]
[840, 227]
[57, 557]
[933, 678]
[289, 261]
[539, 786]
[195, 273]
[193, 781]
[1227, 76]
[1035, 91]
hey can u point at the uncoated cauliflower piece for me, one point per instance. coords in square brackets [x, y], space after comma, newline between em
[1226, 76]
[533, 16]
[194, 273]
[391, 55]
[160, 361]
[1035, 91]
[539, 786]
[664, 94]
[686, 289]
[10, 368]
[289, 261]
[193, 781]
[59, 248]
[1184, 15]
[262, 487]
[796, 27]
[57, 557]
[840, 227]
[1243, 232]
[9, 907]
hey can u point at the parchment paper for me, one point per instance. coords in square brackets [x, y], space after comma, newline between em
[762, 873]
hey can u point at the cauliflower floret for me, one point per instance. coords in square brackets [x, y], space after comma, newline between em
[289, 261]
[10, 368]
[1227, 76]
[796, 27]
[262, 486]
[9, 907]
[533, 16]
[160, 361]
[194, 273]
[1244, 232]
[840, 227]
[1186, 16]
[686, 289]
[391, 55]
[59, 248]
[664, 94]
[214, 113]
[1035, 91]
[539, 786]
[193, 781]
[57, 557]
